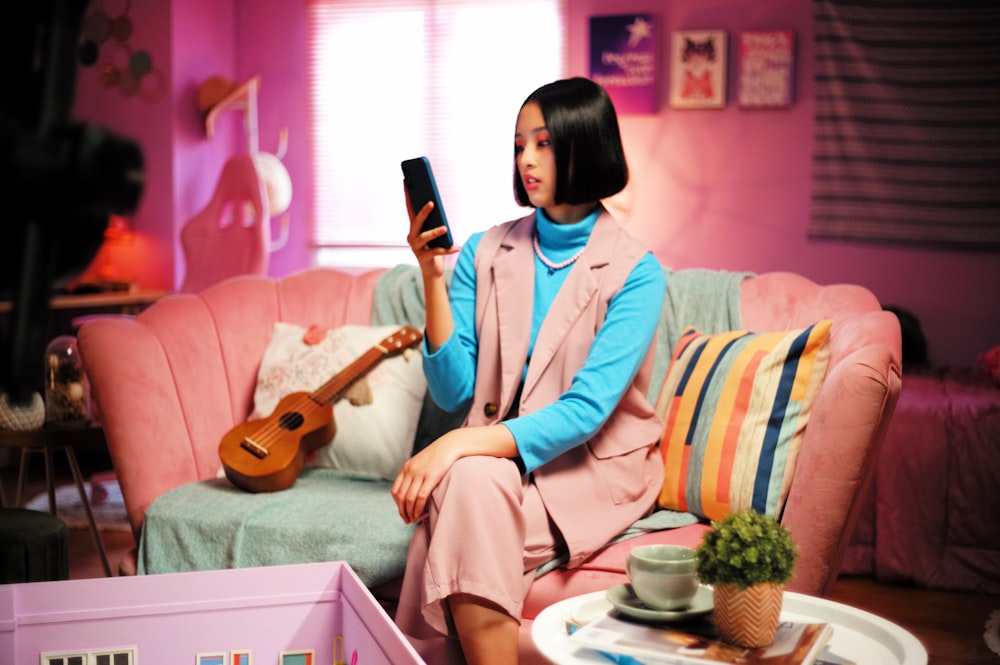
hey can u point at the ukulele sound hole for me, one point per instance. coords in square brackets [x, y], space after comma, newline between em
[291, 420]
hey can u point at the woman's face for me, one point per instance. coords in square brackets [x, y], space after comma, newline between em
[535, 159]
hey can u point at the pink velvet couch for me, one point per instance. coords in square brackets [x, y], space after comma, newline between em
[172, 380]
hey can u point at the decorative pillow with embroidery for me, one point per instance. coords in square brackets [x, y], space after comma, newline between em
[376, 419]
[735, 407]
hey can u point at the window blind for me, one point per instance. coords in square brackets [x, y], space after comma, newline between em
[395, 79]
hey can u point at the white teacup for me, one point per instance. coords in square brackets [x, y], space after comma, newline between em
[663, 576]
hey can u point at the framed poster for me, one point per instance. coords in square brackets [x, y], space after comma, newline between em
[623, 60]
[698, 69]
[766, 69]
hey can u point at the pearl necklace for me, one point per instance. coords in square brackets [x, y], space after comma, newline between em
[549, 264]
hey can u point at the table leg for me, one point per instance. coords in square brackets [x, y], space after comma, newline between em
[22, 473]
[50, 479]
[78, 477]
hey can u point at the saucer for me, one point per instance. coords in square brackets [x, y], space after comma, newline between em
[626, 602]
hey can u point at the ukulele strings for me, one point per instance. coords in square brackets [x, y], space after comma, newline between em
[272, 431]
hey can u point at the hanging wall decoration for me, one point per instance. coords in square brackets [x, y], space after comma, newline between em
[906, 152]
[105, 41]
[623, 59]
[767, 68]
[698, 69]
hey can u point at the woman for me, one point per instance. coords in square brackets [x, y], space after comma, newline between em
[547, 332]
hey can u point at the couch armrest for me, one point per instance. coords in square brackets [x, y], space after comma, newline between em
[144, 408]
[836, 462]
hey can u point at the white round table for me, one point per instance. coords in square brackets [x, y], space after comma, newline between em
[858, 636]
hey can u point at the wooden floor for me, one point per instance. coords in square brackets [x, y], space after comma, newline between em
[949, 624]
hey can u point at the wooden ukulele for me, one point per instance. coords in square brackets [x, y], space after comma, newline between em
[267, 454]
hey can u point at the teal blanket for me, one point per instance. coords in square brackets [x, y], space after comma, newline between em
[327, 515]
[399, 298]
[708, 300]
[331, 515]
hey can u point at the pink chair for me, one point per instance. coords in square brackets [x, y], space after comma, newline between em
[231, 235]
[174, 379]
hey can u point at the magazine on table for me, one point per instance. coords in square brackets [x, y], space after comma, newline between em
[697, 643]
[827, 657]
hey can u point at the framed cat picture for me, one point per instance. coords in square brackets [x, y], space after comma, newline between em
[698, 60]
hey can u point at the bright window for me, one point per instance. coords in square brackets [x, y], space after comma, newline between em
[390, 80]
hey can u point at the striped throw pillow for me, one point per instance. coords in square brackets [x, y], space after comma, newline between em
[735, 406]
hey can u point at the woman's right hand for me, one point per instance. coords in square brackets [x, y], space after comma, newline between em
[423, 472]
[431, 259]
[420, 475]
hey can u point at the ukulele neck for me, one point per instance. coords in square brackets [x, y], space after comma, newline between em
[334, 389]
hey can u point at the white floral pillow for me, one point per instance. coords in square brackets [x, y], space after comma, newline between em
[376, 424]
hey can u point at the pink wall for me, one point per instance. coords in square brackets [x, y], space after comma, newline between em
[719, 189]
[188, 41]
[730, 189]
[204, 45]
[272, 44]
[146, 118]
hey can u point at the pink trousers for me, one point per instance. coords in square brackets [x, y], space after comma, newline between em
[485, 534]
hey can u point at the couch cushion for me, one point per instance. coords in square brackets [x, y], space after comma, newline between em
[735, 407]
[377, 420]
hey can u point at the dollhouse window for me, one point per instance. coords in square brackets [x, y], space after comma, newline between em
[395, 79]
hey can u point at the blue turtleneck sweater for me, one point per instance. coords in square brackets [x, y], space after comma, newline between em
[617, 352]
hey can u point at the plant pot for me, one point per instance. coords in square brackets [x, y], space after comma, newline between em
[748, 617]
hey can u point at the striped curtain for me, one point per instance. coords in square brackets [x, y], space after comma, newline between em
[907, 127]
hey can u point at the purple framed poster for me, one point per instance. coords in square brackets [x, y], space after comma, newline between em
[767, 68]
[623, 54]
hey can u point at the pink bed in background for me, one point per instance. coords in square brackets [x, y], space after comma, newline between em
[932, 513]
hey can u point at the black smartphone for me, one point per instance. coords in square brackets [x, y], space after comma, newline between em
[420, 185]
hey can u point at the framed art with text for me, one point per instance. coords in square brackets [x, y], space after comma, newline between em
[623, 60]
[698, 69]
[766, 69]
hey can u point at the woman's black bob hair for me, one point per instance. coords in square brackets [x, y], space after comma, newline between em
[583, 128]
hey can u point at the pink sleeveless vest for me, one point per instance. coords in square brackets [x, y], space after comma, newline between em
[597, 489]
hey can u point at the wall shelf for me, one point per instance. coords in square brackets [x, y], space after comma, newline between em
[241, 98]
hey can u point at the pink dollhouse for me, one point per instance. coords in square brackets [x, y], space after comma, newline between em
[285, 615]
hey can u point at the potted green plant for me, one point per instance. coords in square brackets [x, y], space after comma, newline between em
[747, 558]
